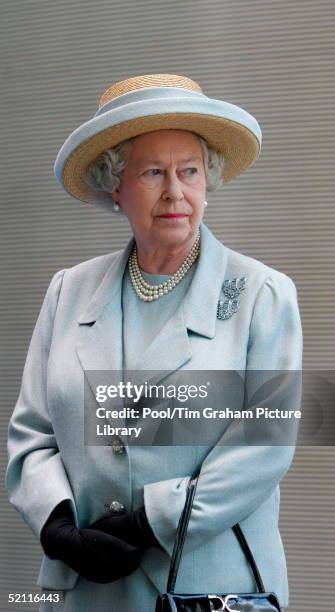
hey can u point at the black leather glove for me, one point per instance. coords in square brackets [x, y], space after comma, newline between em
[95, 555]
[131, 527]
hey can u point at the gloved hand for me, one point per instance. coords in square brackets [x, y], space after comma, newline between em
[95, 555]
[131, 527]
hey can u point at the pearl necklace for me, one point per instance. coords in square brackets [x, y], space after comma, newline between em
[148, 292]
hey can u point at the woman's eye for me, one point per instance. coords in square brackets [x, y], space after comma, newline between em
[192, 170]
[153, 170]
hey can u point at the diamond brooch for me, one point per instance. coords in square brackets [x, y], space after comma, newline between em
[231, 290]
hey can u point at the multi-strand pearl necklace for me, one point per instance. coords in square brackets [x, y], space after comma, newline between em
[148, 292]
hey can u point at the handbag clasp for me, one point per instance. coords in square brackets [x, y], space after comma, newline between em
[223, 602]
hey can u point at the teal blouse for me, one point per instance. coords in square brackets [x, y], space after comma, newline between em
[153, 315]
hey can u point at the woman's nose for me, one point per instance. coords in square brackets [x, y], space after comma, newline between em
[172, 187]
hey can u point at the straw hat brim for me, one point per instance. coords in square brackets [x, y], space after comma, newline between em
[226, 127]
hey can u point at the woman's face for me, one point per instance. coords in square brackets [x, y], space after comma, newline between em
[163, 188]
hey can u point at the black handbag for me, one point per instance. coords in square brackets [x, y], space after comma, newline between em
[207, 602]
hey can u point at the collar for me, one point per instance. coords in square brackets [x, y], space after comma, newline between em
[200, 304]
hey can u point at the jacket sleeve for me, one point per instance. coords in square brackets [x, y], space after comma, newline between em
[235, 479]
[36, 480]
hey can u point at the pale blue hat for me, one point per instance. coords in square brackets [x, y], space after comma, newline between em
[154, 102]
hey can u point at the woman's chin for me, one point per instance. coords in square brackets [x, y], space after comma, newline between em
[173, 228]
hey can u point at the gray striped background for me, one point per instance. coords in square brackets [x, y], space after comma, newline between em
[273, 57]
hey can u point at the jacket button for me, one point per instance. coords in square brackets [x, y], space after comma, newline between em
[116, 507]
[117, 447]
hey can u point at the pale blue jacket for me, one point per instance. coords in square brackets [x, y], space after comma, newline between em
[79, 328]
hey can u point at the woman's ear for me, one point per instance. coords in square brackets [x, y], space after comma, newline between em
[116, 195]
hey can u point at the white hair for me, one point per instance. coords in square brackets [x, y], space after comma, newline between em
[104, 173]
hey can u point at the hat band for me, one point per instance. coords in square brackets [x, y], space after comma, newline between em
[137, 95]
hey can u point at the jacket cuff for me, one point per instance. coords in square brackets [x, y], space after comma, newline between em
[164, 502]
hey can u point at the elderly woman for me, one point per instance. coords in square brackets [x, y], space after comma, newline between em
[174, 299]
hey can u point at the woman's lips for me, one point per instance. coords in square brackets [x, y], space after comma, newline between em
[173, 216]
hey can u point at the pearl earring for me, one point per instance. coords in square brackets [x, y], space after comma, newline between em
[206, 203]
[116, 207]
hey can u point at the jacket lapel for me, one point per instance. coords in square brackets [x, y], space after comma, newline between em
[100, 344]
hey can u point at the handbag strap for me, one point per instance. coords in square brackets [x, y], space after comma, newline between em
[181, 535]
